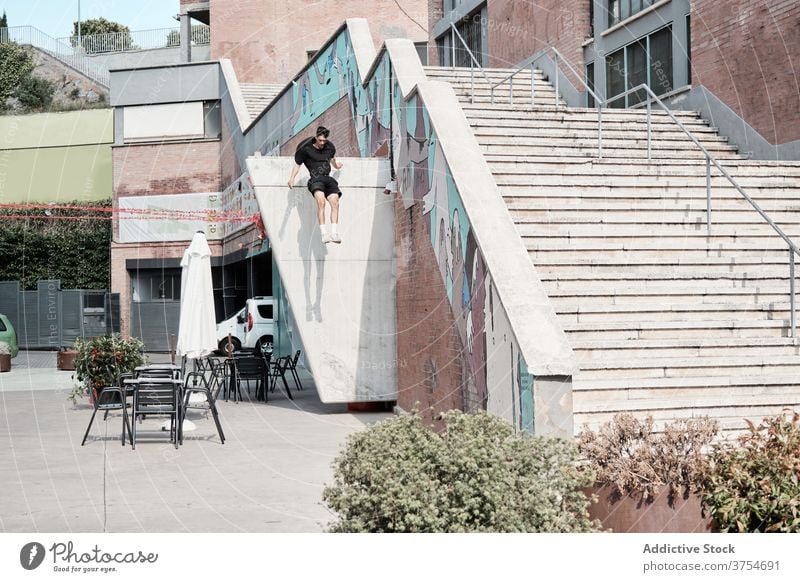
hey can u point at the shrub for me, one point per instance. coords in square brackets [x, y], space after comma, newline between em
[35, 93]
[628, 454]
[101, 360]
[5, 349]
[16, 64]
[755, 486]
[474, 476]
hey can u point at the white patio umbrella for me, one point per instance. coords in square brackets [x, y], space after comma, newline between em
[197, 328]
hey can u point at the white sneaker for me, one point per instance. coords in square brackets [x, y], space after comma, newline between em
[336, 238]
[326, 238]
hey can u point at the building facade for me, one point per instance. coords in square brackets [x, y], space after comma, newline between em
[181, 137]
[732, 60]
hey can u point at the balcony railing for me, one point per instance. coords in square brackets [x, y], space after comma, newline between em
[137, 40]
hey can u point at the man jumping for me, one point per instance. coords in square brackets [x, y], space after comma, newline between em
[318, 154]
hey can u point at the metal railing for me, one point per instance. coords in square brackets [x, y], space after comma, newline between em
[30, 35]
[473, 61]
[136, 40]
[709, 158]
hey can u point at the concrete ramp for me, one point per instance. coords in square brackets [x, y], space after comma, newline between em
[342, 296]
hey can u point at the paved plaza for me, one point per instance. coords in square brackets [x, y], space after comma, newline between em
[267, 477]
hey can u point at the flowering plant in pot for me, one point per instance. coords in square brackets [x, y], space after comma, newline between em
[649, 480]
[5, 357]
[101, 357]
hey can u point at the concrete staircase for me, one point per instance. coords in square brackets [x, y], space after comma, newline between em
[258, 95]
[664, 317]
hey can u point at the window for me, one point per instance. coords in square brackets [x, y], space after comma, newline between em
[157, 285]
[619, 10]
[590, 82]
[689, 48]
[472, 29]
[2, 325]
[637, 70]
[661, 61]
[265, 311]
[646, 61]
[615, 76]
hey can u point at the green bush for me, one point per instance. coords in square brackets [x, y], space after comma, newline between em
[78, 252]
[101, 360]
[474, 476]
[755, 486]
[16, 64]
[35, 93]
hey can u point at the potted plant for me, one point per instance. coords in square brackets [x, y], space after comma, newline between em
[5, 357]
[754, 485]
[101, 357]
[649, 481]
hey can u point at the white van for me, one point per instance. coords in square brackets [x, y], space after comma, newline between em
[251, 327]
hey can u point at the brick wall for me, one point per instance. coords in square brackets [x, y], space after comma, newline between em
[429, 351]
[747, 52]
[343, 133]
[267, 40]
[435, 13]
[168, 168]
[518, 29]
[120, 278]
[230, 169]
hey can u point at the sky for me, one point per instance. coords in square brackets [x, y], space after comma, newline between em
[55, 17]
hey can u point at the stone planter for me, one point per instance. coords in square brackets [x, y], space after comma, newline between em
[632, 514]
[5, 362]
[66, 359]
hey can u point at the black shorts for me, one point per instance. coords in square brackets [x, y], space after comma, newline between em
[325, 184]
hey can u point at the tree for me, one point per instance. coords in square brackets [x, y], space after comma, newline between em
[16, 64]
[94, 26]
[4, 20]
[200, 35]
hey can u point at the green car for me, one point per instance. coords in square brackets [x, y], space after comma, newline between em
[8, 335]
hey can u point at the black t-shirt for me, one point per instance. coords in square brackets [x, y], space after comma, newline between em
[318, 161]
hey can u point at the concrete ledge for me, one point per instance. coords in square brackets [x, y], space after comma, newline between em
[342, 296]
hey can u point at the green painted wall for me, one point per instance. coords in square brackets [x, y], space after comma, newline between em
[56, 157]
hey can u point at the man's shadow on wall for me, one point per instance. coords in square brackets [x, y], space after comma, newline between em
[310, 248]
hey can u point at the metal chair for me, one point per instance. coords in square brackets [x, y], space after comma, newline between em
[249, 367]
[196, 383]
[158, 397]
[112, 397]
[278, 370]
[292, 367]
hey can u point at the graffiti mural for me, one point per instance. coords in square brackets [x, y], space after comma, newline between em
[497, 377]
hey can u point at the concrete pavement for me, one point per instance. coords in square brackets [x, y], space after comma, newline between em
[267, 477]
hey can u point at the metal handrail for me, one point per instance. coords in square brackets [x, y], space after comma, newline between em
[793, 249]
[455, 32]
[30, 35]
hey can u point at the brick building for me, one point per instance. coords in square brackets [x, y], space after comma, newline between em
[732, 60]
[174, 149]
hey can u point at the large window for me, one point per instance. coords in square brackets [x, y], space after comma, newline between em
[646, 61]
[156, 285]
[472, 29]
[619, 10]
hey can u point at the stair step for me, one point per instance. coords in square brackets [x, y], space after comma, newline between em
[681, 347]
[647, 330]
